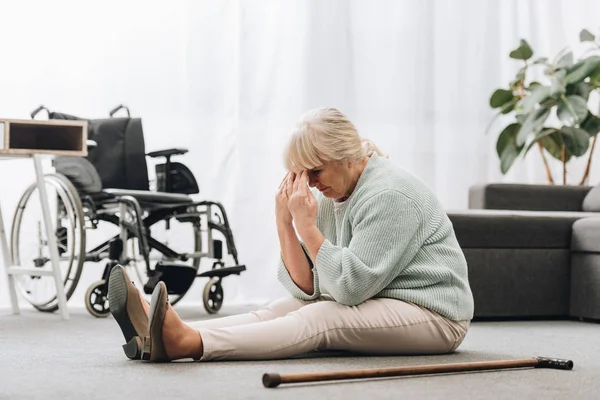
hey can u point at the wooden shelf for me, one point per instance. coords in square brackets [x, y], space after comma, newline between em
[55, 137]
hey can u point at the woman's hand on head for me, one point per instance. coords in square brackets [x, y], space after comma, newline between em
[302, 204]
[282, 211]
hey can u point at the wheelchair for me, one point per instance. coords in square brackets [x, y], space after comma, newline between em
[110, 186]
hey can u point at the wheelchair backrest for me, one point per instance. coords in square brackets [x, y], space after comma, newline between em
[120, 154]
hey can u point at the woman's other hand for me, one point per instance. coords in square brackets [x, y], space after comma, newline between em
[282, 211]
[302, 204]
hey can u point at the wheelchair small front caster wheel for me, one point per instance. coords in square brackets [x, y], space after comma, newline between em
[213, 295]
[96, 299]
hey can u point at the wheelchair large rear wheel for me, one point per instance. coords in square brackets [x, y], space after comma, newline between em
[29, 241]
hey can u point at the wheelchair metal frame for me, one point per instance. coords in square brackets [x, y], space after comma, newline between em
[140, 230]
[119, 206]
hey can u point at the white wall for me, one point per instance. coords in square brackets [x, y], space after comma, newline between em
[227, 79]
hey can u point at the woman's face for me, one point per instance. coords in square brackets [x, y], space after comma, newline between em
[333, 179]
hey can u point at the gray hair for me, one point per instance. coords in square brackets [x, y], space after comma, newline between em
[323, 135]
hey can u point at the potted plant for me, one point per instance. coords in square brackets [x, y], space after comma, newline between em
[552, 113]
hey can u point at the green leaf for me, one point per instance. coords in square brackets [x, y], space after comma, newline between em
[500, 97]
[507, 148]
[595, 77]
[521, 73]
[523, 52]
[507, 137]
[503, 110]
[541, 60]
[533, 85]
[519, 78]
[586, 36]
[565, 61]
[557, 81]
[591, 124]
[508, 107]
[532, 125]
[572, 110]
[549, 102]
[553, 145]
[537, 95]
[521, 118]
[497, 115]
[581, 89]
[508, 157]
[582, 69]
[576, 140]
[539, 136]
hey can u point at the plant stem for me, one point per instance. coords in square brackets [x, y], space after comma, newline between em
[564, 163]
[548, 174]
[589, 162]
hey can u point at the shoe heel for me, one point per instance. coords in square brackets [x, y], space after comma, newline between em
[133, 348]
[146, 348]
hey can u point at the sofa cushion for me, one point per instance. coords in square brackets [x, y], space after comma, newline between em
[591, 202]
[519, 282]
[584, 282]
[532, 197]
[586, 235]
[517, 230]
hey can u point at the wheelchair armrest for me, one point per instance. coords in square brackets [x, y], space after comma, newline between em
[166, 152]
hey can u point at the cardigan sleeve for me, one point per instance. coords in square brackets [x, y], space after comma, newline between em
[288, 283]
[385, 230]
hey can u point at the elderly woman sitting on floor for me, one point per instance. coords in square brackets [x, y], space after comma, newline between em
[369, 257]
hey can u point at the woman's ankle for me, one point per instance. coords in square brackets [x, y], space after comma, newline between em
[186, 342]
[198, 345]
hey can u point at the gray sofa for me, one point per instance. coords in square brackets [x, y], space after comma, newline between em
[533, 250]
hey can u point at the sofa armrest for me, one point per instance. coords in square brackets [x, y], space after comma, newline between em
[509, 196]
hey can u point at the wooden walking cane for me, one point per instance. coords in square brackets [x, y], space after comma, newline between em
[271, 380]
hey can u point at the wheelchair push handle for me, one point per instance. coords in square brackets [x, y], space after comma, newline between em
[119, 107]
[37, 110]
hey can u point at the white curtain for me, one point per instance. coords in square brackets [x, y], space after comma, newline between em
[228, 79]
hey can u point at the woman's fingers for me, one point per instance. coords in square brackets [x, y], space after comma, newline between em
[305, 179]
[296, 181]
[306, 183]
[283, 180]
[289, 184]
[301, 181]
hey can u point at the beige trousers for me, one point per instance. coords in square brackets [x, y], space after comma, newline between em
[289, 327]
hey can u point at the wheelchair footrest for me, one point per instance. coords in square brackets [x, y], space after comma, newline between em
[177, 277]
[223, 272]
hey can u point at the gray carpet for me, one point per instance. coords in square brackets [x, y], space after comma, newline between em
[44, 357]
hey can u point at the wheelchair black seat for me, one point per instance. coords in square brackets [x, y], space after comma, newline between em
[151, 197]
[86, 179]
